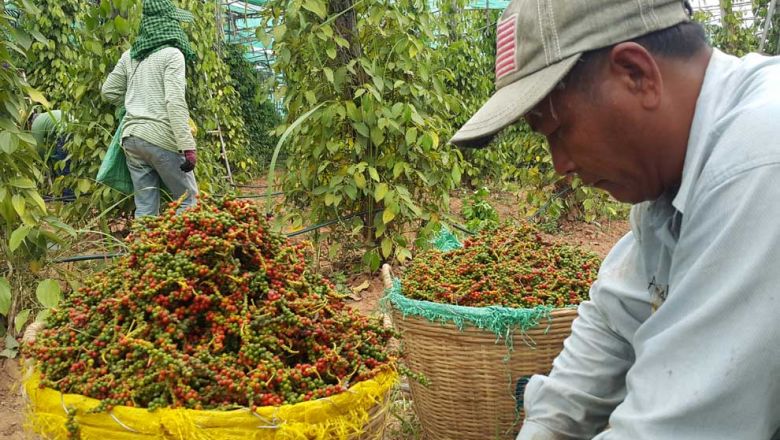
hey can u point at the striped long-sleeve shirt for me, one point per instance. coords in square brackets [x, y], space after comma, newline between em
[153, 93]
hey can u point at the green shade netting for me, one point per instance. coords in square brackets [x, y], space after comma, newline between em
[502, 321]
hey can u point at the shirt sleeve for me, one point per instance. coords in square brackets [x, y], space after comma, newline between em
[708, 360]
[114, 88]
[175, 99]
[587, 381]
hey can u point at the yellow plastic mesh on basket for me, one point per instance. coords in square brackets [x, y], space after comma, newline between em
[342, 416]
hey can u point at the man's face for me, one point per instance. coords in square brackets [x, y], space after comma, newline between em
[602, 136]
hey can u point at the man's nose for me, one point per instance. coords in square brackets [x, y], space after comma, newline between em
[561, 161]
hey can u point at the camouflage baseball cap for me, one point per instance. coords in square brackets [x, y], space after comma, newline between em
[539, 41]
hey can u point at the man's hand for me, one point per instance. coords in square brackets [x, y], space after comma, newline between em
[189, 161]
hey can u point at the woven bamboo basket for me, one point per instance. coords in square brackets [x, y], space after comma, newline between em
[475, 380]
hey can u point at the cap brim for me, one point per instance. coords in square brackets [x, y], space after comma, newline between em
[183, 15]
[511, 102]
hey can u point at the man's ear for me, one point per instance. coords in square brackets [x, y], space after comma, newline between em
[638, 71]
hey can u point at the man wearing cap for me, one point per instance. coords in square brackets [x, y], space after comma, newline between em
[680, 339]
[149, 80]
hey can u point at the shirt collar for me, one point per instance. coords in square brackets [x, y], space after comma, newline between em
[705, 115]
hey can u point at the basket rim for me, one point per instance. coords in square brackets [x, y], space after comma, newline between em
[550, 309]
[390, 280]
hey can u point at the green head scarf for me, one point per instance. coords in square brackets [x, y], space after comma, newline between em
[160, 28]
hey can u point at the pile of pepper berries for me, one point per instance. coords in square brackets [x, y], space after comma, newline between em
[208, 310]
[510, 266]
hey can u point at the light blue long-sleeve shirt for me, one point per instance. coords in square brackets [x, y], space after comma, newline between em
[681, 338]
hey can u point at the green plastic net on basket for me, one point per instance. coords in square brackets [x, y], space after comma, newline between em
[502, 321]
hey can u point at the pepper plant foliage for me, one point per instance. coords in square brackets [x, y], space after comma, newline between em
[733, 35]
[26, 226]
[761, 10]
[84, 40]
[259, 113]
[376, 143]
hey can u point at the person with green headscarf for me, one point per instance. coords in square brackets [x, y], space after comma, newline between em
[149, 80]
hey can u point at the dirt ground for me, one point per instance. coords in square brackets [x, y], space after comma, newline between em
[11, 403]
[366, 292]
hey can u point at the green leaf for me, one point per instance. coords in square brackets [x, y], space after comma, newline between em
[360, 180]
[387, 247]
[329, 199]
[353, 112]
[21, 182]
[10, 342]
[411, 136]
[327, 30]
[403, 254]
[122, 25]
[426, 142]
[328, 74]
[373, 173]
[43, 315]
[434, 139]
[18, 236]
[310, 97]
[351, 191]
[5, 296]
[26, 138]
[379, 83]
[8, 142]
[388, 215]
[36, 198]
[377, 138]
[48, 293]
[318, 7]
[38, 97]
[84, 185]
[331, 51]
[54, 221]
[361, 128]
[398, 168]
[372, 260]
[8, 353]
[414, 208]
[279, 32]
[417, 118]
[380, 229]
[456, 174]
[30, 7]
[21, 319]
[380, 191]
[19, 204]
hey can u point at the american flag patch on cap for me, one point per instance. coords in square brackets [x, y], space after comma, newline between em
[506, 46]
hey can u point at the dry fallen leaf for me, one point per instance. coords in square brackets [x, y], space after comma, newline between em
[357, 289]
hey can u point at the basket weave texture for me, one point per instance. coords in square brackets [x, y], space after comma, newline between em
[475, 378]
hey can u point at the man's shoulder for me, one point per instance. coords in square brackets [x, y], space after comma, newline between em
[749, 119]
[747, 134]
[169, 54]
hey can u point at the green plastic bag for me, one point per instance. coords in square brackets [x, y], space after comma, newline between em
[113, 170]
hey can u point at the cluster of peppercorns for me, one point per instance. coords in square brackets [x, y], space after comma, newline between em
[209, 309]
[511, 266]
